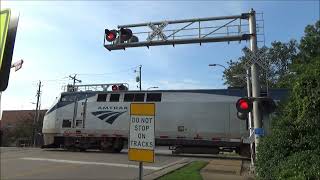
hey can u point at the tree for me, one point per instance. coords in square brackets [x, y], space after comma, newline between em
[292, 151]
[309, 44]
[281, 56]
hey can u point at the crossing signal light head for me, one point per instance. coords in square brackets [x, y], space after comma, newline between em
[242, 116]
[244, 105]
[125, 34]
[133, 39]
[110, 35]
[267, 105]
[122, 87]
[114, 88]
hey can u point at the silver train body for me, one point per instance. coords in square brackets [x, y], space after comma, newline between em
[184, 119]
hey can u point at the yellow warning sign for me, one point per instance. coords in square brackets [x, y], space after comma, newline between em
[4, 25]
[142, 130]
[144, 155]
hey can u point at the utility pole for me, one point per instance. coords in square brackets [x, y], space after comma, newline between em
[74, 78]
[255, 76]
[36, 114]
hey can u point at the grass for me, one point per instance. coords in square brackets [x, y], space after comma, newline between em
[188, 172]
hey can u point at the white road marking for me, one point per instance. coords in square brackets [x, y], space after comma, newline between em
[104, 164]
[92, 163]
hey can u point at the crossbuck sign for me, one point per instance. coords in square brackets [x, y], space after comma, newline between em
[157, 31]
[260, 58]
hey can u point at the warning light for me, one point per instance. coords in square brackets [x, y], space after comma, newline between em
[114, 88]
[110, 35]
[125, 34]
[244, 106]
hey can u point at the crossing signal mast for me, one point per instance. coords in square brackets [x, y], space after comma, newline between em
[186, 31]
[199, 30]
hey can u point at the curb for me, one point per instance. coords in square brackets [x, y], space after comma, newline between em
[166, 170]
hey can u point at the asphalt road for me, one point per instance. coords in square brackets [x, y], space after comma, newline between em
[33, 163]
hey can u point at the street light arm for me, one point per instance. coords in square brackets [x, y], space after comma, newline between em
[218, 65]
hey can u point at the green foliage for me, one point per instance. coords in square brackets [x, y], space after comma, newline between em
[285, 59]
[309, 44]
[292, 151]
[191, 171]
[281, 56]
[301, 165]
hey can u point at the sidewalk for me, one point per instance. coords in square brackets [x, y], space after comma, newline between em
[222, 169]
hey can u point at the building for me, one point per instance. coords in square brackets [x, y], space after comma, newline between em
[17, 127]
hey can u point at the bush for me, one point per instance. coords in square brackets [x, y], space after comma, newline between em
[292, 151]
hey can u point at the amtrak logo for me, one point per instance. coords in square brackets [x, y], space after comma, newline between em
[108, 116]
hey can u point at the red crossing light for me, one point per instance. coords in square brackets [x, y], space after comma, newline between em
[114, 88]
[110, 35]
[244, 105]
[126, 34]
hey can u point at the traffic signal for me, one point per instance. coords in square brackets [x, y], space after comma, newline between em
[244, 106]
[110, 35]
[122, 87]
[120, 36]
[114, 88]
[267, 105]
[126, 34]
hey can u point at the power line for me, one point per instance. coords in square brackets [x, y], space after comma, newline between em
[109, 73]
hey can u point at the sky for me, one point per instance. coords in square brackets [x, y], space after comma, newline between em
[61, 38]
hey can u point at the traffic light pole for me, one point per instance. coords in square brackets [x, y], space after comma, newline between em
[250, 123]
[255, 76]
[140, 76]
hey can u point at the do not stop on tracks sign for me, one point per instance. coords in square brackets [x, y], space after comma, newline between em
[142, 127]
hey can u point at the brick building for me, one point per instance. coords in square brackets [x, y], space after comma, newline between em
[16, 127]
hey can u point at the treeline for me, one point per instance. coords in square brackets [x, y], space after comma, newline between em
[292, 151]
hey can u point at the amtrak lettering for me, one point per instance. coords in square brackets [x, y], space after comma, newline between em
[108, 116]
[112, 108]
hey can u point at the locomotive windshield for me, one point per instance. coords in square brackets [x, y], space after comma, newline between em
[68, 98]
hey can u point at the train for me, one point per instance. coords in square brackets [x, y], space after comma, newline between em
[187, 121]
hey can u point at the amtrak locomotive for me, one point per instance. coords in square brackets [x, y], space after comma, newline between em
[201, 121]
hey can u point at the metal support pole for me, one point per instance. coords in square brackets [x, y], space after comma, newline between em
[255, 75]
[140, 76]
[140, 170]
[250, 117]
